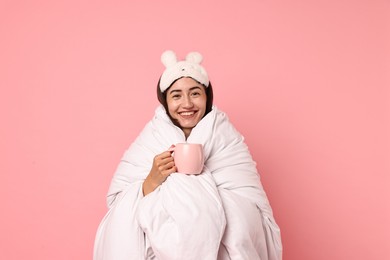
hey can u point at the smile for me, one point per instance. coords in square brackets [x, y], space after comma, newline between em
[187, 113]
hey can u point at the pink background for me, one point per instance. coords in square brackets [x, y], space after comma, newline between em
[306, 82]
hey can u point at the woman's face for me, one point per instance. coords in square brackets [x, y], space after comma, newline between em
[186, 101]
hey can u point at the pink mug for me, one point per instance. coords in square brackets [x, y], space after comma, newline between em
[188, 158]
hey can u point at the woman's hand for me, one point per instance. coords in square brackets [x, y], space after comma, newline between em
[163, 166]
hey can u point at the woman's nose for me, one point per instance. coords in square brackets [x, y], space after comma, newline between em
[187, 102]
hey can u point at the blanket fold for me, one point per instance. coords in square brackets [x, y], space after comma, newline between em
[223, 213]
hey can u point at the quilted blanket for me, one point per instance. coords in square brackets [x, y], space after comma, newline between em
[222, 213]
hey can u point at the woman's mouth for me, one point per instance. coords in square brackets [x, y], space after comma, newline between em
[187, 114]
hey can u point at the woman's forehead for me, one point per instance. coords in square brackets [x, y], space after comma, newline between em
[185, 84]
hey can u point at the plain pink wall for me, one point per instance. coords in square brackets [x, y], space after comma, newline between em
[306, 82]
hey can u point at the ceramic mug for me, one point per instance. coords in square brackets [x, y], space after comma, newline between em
[188, 158]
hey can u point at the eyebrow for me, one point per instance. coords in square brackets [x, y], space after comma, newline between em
[179, 90]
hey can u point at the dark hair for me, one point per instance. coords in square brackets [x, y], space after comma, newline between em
[162, 97]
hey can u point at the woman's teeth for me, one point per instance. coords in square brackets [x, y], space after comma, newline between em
[186, 113]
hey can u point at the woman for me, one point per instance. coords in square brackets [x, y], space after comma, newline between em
[157, 213]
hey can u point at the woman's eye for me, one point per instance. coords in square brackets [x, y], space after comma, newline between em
[195, 94]
[176, 96]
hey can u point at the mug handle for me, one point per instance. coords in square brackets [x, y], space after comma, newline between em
[172, 148]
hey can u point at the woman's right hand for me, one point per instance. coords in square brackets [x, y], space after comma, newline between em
[163, 166]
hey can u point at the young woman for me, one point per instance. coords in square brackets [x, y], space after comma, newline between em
[156, 212]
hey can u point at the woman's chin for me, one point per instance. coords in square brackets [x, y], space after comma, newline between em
[187, 125]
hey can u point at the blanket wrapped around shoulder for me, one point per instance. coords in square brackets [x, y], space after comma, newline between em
[222, 213]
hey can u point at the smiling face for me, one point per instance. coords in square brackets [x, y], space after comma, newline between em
[186, 101]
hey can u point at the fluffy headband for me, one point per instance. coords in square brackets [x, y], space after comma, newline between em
[190, 67]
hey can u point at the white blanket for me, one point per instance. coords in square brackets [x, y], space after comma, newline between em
[223, 213]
